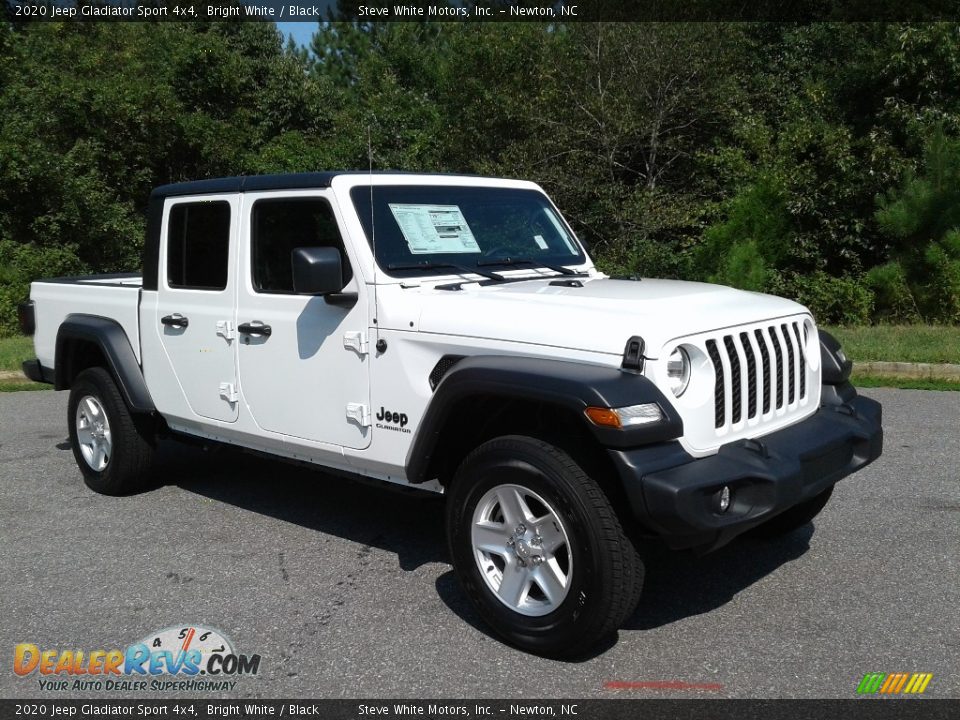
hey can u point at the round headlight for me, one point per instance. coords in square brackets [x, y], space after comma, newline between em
[678, 371]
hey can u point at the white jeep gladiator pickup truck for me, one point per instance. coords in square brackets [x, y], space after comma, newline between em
[451, 333]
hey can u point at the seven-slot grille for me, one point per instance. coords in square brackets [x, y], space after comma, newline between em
[758, 371]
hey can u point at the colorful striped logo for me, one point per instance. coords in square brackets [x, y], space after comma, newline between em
[894, 683]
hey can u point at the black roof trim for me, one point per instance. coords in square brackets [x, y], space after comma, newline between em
[246, 183]
[252, 183]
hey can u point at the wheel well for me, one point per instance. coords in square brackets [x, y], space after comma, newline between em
[475, 420]
[79, 355]
[85, 341]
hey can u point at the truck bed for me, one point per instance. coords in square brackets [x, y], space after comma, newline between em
[112, 296]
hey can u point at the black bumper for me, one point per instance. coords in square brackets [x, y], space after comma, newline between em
[36, 372]
[675, 496]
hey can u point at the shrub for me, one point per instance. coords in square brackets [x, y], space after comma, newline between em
[19, 264]
[893, 300]
[744, 268]
[755, 233]
[833, 300]
[942, 287]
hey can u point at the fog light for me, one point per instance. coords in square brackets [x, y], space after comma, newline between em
[724, 498]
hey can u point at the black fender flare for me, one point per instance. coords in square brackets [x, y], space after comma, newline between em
[115, 346]
[835, 366]
[570, 385]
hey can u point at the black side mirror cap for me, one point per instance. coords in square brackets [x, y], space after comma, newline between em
[317, 270]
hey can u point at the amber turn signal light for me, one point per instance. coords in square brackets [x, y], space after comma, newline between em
[625, 417]
[605, 417]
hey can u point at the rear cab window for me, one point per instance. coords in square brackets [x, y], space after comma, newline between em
[198, 245]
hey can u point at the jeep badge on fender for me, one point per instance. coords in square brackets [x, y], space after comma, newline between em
[567, 418]
[399, 419]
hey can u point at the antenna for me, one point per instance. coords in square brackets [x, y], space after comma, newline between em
[373, 228]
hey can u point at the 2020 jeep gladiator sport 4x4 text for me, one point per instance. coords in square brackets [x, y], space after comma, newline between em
[451, 333]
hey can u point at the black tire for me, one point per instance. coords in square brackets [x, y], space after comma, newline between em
[795, 517]
[605, 575]
[127, 464]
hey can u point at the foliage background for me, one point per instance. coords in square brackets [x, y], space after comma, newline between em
[817, 161]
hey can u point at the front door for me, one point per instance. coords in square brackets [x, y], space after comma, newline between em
[303, 362]
[195, 304]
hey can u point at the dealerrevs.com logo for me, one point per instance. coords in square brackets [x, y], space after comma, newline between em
[187, 658]
[878, 683]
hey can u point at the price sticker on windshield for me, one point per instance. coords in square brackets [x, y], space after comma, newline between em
[434, 229]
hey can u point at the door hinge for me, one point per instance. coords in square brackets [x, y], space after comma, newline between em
[359, 413]
[226, 330]
[356, 340]
[228, 392]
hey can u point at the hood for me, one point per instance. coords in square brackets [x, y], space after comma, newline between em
[598, 317]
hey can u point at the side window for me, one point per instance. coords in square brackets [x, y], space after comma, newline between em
[198, 245]
[283, 225]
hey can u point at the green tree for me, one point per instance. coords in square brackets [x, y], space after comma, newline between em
[922, 220]
[93, 115]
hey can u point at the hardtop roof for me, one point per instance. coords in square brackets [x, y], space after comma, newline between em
[286, 181]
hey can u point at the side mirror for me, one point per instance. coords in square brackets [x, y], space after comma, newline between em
[317, 271]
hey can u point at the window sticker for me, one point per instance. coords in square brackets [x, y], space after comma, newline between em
[434, 229]
[563, 233]
[541, 243]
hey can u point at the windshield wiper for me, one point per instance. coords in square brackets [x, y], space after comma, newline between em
[512, 262]
[463, 269]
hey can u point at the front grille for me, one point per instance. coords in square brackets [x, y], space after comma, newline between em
[735, 389]
[776, 348]
[791, 369]
[751, 375]
[765, 357]
[803, 359]
[719, 384]
[764, 369]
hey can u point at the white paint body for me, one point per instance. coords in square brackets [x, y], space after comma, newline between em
[292, 392]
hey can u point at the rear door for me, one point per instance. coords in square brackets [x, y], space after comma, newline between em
[196, 301]
[307, 376]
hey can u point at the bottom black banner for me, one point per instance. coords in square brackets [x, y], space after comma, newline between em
[867, 709]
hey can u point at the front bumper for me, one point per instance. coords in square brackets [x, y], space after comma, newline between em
[674, 495]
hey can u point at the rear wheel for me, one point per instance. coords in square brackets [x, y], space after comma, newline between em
[113, 449]
[795, 517]
[538, 549]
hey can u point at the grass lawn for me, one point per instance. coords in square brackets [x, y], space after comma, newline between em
[869, 381]
[900, 343]
[18, 386]
[14, 351]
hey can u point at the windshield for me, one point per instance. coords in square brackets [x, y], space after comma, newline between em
[444, 230]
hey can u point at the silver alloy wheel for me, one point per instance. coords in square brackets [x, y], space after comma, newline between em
[93, 433]
[522, 550]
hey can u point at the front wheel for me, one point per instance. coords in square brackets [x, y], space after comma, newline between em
[538, 549]
[112, 448]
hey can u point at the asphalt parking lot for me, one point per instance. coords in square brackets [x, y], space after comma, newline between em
[345, 589]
